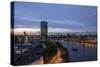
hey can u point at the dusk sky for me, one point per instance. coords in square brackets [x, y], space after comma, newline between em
[60, 18]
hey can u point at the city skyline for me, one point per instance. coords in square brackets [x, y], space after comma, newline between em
[44, 33]
[60, 18]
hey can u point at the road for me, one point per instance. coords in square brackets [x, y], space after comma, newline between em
[40, 61]
[57, 58]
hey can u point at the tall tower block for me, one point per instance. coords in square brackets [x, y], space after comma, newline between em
[44, 31]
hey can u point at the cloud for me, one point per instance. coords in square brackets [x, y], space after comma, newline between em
[25, 26]
[72, 23]
[61, 24]
[93, 14]
[64, 30]
[19, 25]
[50, 30]
[26, 29]
[28, 18]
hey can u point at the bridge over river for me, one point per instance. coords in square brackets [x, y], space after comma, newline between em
[79, 52]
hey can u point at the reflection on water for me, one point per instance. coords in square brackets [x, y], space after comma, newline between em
[80, 52]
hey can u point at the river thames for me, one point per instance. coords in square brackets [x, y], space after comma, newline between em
[80, 52]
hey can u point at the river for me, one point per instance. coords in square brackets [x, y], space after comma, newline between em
[79, 52]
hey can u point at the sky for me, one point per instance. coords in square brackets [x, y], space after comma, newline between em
[60, 17]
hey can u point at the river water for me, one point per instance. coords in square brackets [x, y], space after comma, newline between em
[79, 52]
